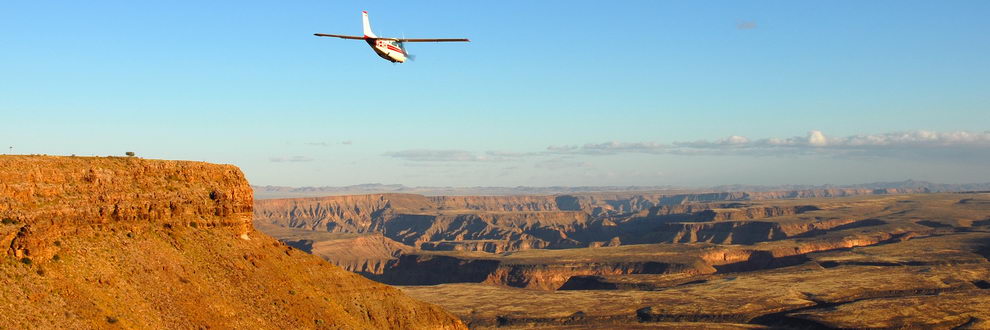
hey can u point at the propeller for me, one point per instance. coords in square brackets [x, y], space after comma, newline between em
[402, 46]
[411, 57]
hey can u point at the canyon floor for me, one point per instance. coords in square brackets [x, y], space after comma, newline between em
[799, 259]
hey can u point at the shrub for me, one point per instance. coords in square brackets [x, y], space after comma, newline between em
[26, 260]
[8, 221]
[193, 224]
[57, 243]
[56, 257]
[111, 319]
[129, 154]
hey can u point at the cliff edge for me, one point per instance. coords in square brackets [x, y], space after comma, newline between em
[125, 242]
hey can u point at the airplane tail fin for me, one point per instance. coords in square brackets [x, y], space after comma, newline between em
[367, 26]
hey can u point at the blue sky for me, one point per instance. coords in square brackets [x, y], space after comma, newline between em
[548, 93]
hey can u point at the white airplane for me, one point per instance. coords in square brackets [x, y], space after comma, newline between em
[391, 49]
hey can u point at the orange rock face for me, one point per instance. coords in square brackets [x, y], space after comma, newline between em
[97, 242]
[51, 196]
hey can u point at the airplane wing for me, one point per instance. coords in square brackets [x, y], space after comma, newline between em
[338, 36]
[432, 40]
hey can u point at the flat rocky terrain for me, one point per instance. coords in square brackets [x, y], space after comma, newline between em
[855, 259]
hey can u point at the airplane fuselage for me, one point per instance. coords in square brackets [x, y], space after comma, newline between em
[390, 50]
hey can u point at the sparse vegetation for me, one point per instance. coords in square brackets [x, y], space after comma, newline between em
[8, 221]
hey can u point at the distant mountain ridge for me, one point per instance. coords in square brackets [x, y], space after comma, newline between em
[906, 184]
[270, 192]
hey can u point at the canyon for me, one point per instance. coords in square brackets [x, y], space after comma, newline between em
[511, 223]
[779, 259]
[105, 242]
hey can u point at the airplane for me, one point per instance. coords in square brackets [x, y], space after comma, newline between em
[391, 49]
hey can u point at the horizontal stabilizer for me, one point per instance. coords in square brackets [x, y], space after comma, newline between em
[338, 36]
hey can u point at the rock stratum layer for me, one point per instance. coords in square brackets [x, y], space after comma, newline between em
[502, 224]
[909, 261]
[497, 224]
[733, 260]
[98, 242]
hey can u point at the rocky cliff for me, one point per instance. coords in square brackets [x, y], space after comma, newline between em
[339, 214]
[511, 223]
[509, 227]
[580, 269]
[801, 259]
[625, 203]
[98, 242]
[497, 203]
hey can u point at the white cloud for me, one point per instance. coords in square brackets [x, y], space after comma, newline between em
[433, 155]
[610, 148]
[912, 144]
[504, 155]
[746, 25]
[562, 149]
[429, 155]
[735, 139]
[731, 141]
[328, 144]
[560, 163]
[919, 139]
[817, 139]
[897, 144]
